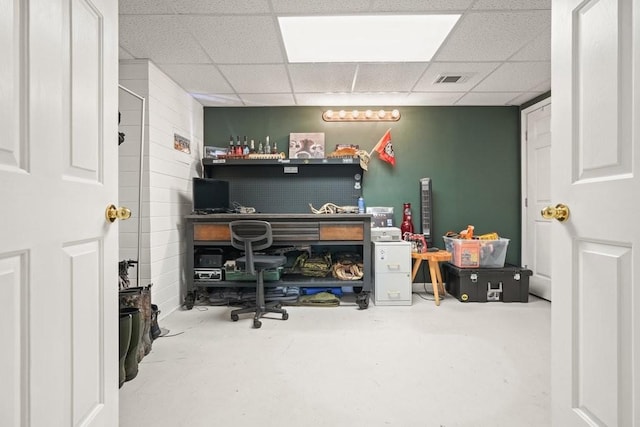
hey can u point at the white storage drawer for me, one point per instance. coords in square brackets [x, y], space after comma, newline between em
[392, 289]
[392, 257]
[392, 273]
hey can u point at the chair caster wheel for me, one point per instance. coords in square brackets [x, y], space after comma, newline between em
[257, 323]
[363, 301]
[234, 317]
[285, 316]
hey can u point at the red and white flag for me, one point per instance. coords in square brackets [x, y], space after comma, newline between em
[384, 148]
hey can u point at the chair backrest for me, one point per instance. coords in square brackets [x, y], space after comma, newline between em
[250, 235]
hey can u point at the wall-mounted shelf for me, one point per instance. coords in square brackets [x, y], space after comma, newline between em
[275, 162]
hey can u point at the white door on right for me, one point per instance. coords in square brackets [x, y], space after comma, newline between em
[536, 230]
[595, 127]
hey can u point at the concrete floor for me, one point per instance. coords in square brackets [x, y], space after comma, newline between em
[457, 365]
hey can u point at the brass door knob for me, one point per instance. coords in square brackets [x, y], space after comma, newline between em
[559, 212]
[112, 213]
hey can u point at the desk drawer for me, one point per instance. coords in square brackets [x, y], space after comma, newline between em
[212, 232]
[342, 231]
[294, 231]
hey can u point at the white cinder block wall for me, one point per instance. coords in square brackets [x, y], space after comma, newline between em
[166, 180]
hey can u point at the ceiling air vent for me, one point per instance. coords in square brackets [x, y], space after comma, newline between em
[450, 78]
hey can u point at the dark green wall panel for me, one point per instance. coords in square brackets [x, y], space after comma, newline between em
[472, 155]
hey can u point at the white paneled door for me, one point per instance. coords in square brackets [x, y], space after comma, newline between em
[58, 173]
[536, 181]
[595, 253]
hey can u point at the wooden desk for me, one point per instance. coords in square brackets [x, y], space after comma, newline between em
[434, 269]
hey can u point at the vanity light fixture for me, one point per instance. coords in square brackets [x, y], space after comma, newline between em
[357, 116]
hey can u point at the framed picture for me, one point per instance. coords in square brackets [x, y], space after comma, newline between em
[181, 143]
[213, 152]
[306, 145]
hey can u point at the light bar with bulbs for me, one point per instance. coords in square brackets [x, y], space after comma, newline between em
[361, 116]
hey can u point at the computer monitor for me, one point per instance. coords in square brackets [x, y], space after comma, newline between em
[210, 195]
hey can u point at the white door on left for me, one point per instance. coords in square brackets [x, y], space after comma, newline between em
[58, 173]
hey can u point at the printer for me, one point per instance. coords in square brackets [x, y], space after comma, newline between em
[385, 234]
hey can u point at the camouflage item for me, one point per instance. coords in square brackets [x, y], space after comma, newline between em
[315, 266]
[140, 297]
[123, 273]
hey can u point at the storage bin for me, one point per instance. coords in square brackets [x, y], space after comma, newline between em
[477, 253]
[507, 284]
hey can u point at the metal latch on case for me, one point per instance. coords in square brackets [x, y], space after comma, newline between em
[494, 291]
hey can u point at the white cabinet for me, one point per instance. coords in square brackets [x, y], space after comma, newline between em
[392, 273]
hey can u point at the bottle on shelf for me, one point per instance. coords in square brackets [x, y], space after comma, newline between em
[361, 206]
[407, 222]
[238, 146]
[274, 150]
[231, 150]
[252, 148]
[267, 147]
[260, 148]
[245, 146]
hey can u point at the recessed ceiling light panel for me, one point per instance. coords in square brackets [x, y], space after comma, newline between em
[380, 38]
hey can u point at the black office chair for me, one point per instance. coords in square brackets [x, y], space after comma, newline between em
[251, 236]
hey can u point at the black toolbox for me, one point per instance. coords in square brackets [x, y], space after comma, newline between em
[507, 284]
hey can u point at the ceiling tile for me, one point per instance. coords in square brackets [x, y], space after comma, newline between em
[197, 78]
[476, 71]
[542, 87]
[134, 69]
[163, 39]
[524, 97]
[213, 100]
[516, 76]
[433, 98]
[221, 6]
[400, 77]
[492, 36]
[257, 78]
[238, 39]
[512, 4]
[267, 99]
[351, 99]
[539, 49]
[146, 7]
[123, 54]
[322, 77]
[487, 98]
[420, 5]
[327, 7]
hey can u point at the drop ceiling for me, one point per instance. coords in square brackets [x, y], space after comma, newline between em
[230, 53]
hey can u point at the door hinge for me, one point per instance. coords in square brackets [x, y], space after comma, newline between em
[526, 202]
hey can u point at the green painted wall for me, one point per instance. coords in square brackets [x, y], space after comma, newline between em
[472, 155]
